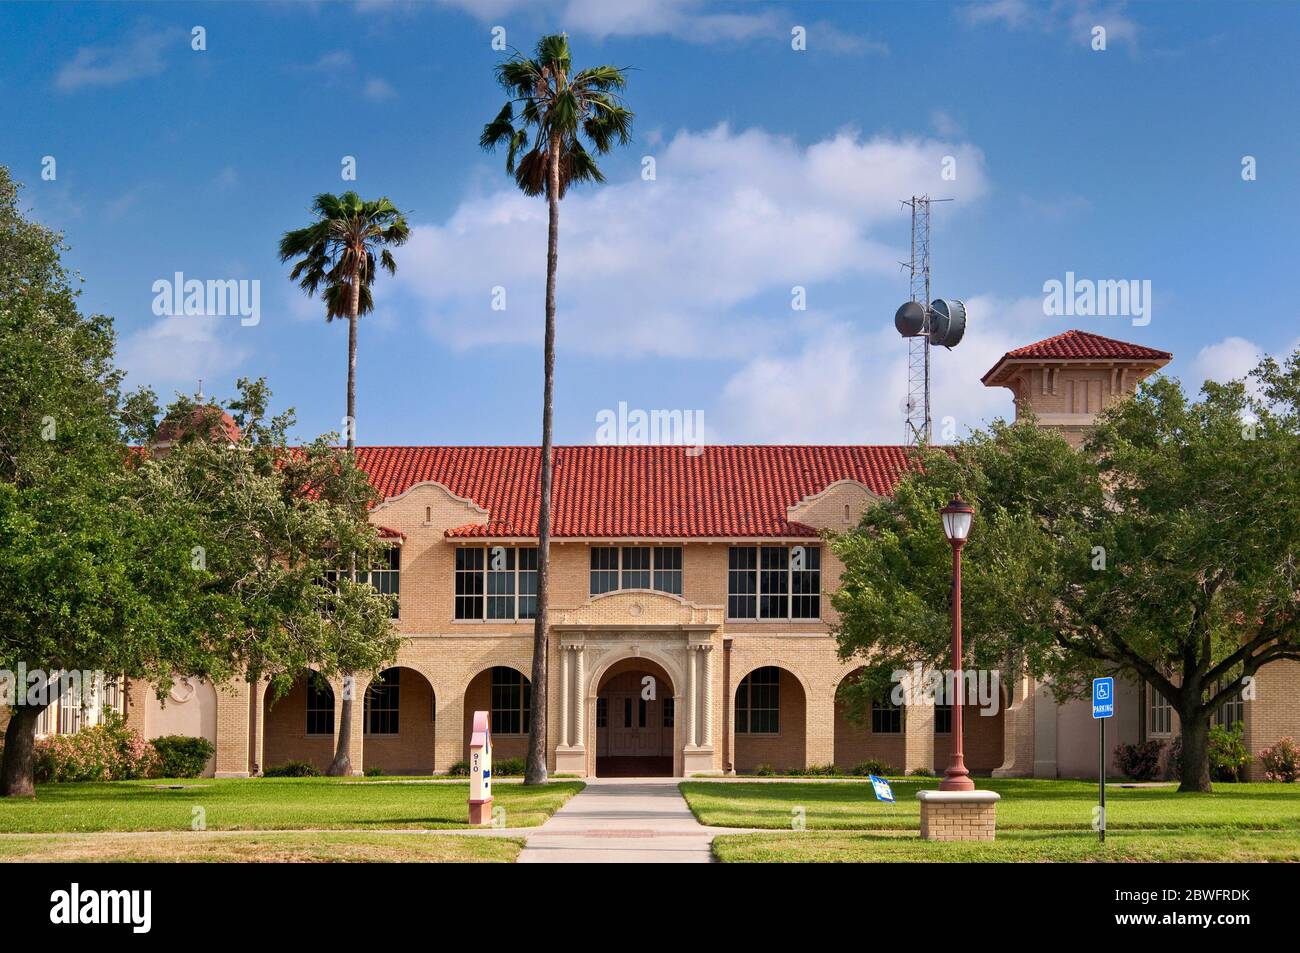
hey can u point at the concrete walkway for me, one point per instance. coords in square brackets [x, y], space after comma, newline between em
[622, 821]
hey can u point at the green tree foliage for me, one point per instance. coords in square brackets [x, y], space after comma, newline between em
[1165, 551]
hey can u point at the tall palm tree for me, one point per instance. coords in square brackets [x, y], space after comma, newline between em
[337, 256]
[558, 108]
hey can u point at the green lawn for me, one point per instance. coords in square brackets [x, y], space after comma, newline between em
[277, 847]
[268, 804]
[1014, 845]
[1037, 821]
[1025, 804]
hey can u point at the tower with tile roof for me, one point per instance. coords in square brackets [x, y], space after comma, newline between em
[1068, 379]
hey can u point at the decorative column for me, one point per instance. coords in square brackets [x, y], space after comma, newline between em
[564, 695]
[579, 697]
[692, 695]
[707, 652]
[571, 753]
[697, 756]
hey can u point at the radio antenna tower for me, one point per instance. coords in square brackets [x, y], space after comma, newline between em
[924, 322]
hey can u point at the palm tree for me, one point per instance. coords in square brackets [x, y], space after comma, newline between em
[338, 252]
[557, 109]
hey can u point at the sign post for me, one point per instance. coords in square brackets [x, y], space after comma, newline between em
[480, 770]
[1103, 707]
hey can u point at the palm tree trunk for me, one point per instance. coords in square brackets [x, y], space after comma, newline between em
[342, 763]
[535, 772]
[18, 775]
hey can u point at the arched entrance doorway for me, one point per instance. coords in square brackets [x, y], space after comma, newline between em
[770, 716]
[299, 725]
[398, 732]
[636, 721]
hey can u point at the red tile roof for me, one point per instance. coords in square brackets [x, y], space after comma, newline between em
[640, 492]
[1081, 346]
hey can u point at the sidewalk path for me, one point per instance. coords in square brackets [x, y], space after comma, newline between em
[622, 821]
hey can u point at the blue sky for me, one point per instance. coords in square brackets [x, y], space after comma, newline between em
[774, 168]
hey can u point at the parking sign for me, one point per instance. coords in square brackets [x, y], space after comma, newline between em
[1103, 697]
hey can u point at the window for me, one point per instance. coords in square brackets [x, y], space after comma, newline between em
[887, 718]
[668, 569]
[386, 579]
[511, 697]
[670, 711]
[758, 702]
[1230, 712]
[635, 573]
[742, 582]
[320, 705]
[1160, 714]
[942, 719]
[383, 698]
[602, 712]
[496, 582]
[636, 567]
[774, 582]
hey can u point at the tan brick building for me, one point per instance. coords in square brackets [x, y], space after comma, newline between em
[690, 614]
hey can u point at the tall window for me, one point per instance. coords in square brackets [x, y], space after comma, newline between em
[320, 705]
[943, 719]
[387, 577]
[636, 567]
[511, 697]
[670, 711]
[774, 582]
[887, 718]
[1160, 714]
[383, 699]
[758, 702]
[496, 582]
[1230, 712]
[668, 569]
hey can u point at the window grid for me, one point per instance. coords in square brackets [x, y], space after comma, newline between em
[943, 719]
[383, 701]
[1160, 714]
[636, 567]
[320, 705]
[758, 702]
[497, 583]
[387, 580]
[887, 718]
[511, 698]
[774, 582]
[1230, 712]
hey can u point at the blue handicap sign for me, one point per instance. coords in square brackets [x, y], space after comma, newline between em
[1103, 697]
[883, 791]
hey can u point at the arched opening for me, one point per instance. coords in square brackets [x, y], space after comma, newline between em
[770, 718]
[636, 721]
[507, 694]
[399, 716]
[299, 725]
[868, 730]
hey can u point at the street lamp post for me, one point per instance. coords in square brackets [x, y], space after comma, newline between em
[957, 518]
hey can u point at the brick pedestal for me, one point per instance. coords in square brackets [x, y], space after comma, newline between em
[958, 815]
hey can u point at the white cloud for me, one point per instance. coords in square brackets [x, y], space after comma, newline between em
[1075, 18]
[699, 262]
[378, 90]
[1227, 360]
[176, 351]
[141, 54]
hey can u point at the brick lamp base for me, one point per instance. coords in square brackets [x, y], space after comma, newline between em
[958, 815]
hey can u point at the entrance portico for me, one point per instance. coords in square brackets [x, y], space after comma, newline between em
[636, 695]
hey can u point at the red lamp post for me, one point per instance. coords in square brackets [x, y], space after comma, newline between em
[957, 518]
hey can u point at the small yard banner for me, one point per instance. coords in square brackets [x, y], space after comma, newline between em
[883, 791]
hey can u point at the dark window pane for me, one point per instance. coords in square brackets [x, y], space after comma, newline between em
[604, 569]
[758, 702]
[510, 700]
[501, 583]
[636, 567]
[742, 582]
[469, 582]
[773, 581]
[886, 718]
[382, 703]
[527, 583]
[943, 719]
[670, 711]
[668, 569]
[320, 705]
[805, 583]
